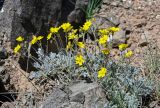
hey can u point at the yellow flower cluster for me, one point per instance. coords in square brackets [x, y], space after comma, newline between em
[49, 36]
[19, 39]
[86, 25]
[35, 39]
[103, 39]
[68, 45]
[40, 38]
[105, 51]
[79, 60]
[123, 46]
[103, 31]
[81, 44]
[114, 29]
[54, 29]
[102, 72]
[66, 27]
[128, 54]
[72, 34]
[17, 48]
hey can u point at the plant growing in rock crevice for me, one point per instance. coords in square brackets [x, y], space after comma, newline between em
[123, 83]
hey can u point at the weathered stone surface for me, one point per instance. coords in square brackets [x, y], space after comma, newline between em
[119, 38]
[3, 53]
[83, 95]
[77, 16]
[102, 22]
[92, 93]
[35, 17]
[28, 17]
[2, 70]
[145, 39]
[154, 104]
[113, 19]
[6, 18]
[4, 76]
[57, 99]
[7, 105]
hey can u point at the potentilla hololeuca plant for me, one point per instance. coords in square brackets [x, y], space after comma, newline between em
[125, 86]
[123, 83]
[52, 64]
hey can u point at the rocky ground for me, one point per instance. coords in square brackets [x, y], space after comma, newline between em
[138, 19]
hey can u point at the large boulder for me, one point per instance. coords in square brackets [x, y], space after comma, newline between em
[28, 17]
[78, 95]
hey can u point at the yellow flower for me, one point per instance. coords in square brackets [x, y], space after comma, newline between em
[86, 25]
[74, 31]
[19, 39]
[66, 27]
[34, 40]
[114, 29]
[79, 60]
[49, 36]
[128, 54]
[54, 29]
[81, 44]
[72, 36]
[103, 31]
[102, 72]
[103, 39]
[40, 37]
[68, 45]
[105, 51]
[123, 46]
[17, 48]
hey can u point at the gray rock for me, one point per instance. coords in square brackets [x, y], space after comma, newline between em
[77, 16]
[81, 4]
[6, 18]
[59, 99]
[7, 105]
[93, 93]
[56, 99]
[119, 38]
[2, 70]
[28, 17]
[102, 22]
[127, 4]
[74, 105]
[113, 19]
[83, 95]
[6, 78]
[154, 104]
[3, 53]
[77, 98]
[145, 39]
[116, 3]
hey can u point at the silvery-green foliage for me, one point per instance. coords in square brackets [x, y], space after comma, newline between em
[122, 99]
[125, 86]
[123, 83]
[53, 63]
